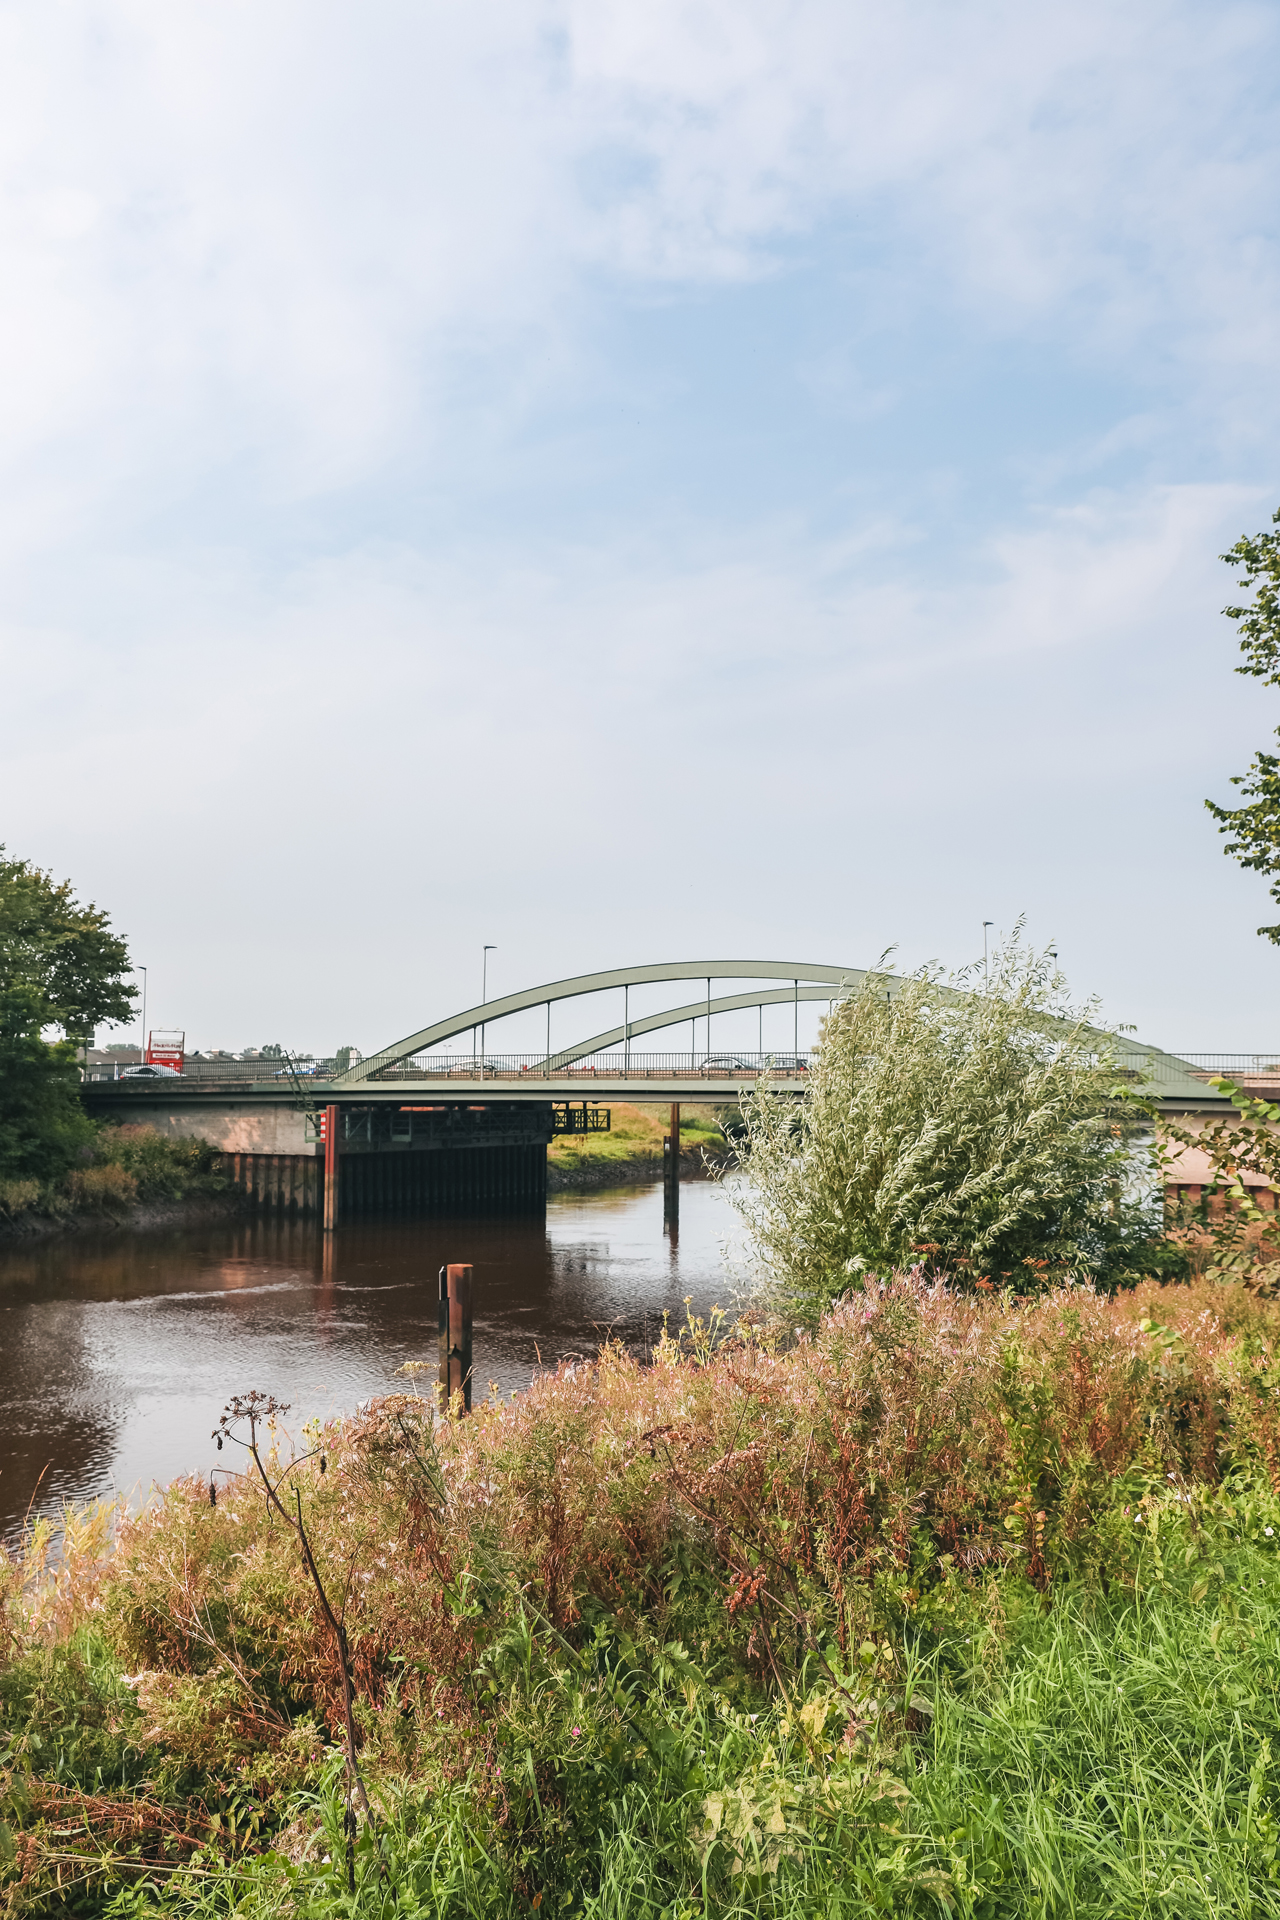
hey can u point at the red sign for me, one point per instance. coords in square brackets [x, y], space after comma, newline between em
[166, 1050]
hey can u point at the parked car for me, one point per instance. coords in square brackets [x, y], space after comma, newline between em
[150, 1072]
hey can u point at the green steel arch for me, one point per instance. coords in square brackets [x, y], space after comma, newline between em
[805, 982]
[809, 982]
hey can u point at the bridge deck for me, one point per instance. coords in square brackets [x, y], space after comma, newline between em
[469, 1079]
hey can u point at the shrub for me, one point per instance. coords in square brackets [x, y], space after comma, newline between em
[18, 1197]
[162, 1168]
[102, 1189]
[977, 1130]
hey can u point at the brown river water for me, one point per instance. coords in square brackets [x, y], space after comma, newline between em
[118, 1352]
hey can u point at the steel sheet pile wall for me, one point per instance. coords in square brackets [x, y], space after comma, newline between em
[277, 1182]
[467, 1180]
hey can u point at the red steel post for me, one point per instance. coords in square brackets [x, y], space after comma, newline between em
[330, 1168]
[455, 1335]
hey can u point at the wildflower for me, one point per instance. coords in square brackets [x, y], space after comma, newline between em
[1268, 1531]
[576, 1732]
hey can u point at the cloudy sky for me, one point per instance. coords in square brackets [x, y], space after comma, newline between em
[635, 481]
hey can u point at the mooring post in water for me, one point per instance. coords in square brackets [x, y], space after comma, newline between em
[455, 1335]
[330, 1168]
[671, 1172]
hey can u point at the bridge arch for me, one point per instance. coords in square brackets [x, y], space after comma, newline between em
[804, 982]
[807, 982]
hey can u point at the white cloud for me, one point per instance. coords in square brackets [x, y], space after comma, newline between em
[271, 238]
[262, 263]
[387, 749]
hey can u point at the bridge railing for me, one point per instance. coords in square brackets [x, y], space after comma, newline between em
[229, 1073]
[1257, 1070]
[717, 1065]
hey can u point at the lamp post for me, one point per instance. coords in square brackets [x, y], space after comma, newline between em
[142, 1050]
[986, 978]
[484, 995]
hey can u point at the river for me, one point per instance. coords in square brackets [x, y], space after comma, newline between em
[120, 1350]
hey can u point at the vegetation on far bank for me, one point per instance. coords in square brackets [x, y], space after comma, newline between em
[117, 1168]
[635, 1137]
[962, 1604]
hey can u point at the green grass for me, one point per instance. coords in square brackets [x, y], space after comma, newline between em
[1114, 1760]
[1107, 1758]
[635, 1134]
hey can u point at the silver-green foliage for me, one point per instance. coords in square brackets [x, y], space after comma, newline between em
[972, 1125]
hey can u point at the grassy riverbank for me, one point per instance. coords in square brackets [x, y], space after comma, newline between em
[632, 1149]
[959, 1605]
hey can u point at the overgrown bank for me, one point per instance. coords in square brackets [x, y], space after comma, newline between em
[125, 1176]
[961, 1604]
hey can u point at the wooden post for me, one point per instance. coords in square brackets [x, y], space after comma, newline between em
[455, 1335]
[330, 1168]
[671, 1172]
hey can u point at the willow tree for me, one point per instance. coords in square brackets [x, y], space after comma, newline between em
[973, 1126]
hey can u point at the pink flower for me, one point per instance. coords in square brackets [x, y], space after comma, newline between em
[576, 1732]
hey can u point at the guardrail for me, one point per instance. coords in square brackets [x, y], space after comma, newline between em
[602, 1066]
[1260, 1069]
[233, 1073]
[474, 1067]
[1250, 1066]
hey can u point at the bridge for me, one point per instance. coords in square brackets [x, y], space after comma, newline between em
[425, 1122]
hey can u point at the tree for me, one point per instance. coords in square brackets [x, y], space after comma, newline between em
[43, 1127]
[60, 966]
[60, 952]
[1255, 829]
[977, 1131]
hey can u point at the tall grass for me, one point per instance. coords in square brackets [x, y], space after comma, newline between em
[1108, 1758]
[961, 1603]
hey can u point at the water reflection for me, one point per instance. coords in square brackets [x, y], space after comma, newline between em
[119, 1353]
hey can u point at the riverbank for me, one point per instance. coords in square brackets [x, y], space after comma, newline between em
[131, 1179]
[631, 1152]
[961, 1605]
[153, 1216]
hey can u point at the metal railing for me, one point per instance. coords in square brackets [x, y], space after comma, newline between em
[1248, 1066]
[215, 1072]
[717, 1065]
[720, 1065]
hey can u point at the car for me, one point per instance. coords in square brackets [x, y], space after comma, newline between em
[151, 1071]
[790, 1062]
[304, 1070]
[727, 1063]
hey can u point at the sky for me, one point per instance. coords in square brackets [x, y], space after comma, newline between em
[624, 483]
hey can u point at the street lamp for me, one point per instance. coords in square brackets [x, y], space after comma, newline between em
[986, 980]
[484, 995]
[142, 1051]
